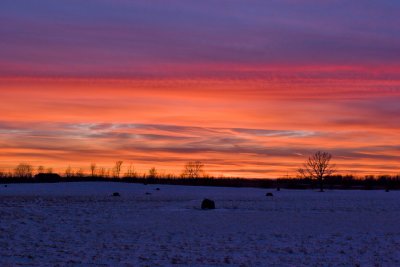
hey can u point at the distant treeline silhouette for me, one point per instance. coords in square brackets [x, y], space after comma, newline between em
[384, 182]
[193, 174]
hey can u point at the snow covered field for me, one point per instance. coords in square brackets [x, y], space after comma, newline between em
[81, 224]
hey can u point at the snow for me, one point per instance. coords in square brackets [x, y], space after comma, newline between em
[81, 224]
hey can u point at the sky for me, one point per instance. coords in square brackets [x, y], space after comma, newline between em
[250, 88]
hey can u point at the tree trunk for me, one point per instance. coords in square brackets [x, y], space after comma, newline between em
[321, 185]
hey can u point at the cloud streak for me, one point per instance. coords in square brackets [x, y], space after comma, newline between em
[255, 152]
[131, 38]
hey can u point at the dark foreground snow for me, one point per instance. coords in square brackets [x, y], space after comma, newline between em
[81, 224]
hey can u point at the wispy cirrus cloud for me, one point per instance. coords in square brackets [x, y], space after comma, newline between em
[240, 149]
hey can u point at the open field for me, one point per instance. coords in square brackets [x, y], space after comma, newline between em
[81, 224]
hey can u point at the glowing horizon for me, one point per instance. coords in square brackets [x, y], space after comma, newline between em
[251, 90]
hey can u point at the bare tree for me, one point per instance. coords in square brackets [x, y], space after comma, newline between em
[80, 173]
[153, 172]
[23, 170]
[318, 166]
[130, 173]
[40, 169]
[193, 169]
[103, 173]
[68, 172]
[117, 168]
[93, 167]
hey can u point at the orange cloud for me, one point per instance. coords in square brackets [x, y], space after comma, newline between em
[250, 126]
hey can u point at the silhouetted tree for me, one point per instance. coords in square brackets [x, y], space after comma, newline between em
[69, 172]
[117, 168]
[40, 169]
[153, 172]
[80, 173]
[23, 170]
[318, 166]
[93, 167]
[193, 169]
[130, 173]
[103, 172]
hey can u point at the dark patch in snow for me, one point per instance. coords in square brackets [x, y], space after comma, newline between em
[208, 204]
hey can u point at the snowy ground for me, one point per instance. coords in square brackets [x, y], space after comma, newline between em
[80, 224]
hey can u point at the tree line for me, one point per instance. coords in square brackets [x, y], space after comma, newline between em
[192, 169]
[317, 172]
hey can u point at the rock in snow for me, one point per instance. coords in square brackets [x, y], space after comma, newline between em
[207, 204]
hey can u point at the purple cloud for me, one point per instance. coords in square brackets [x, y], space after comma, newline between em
[128, 38]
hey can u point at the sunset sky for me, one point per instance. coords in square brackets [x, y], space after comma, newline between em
[250, 88]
